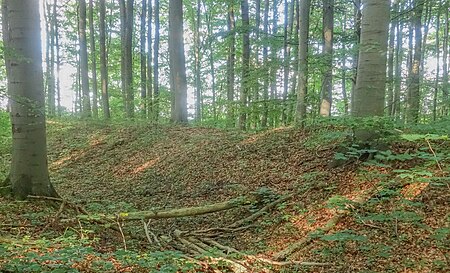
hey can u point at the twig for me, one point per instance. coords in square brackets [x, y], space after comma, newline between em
[121, 233]
[46, 198]
[434, 154]
[146, 232]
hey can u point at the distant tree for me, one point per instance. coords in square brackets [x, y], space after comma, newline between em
[413, 96]
[126, 11]
[29, 170]
[178, 84]
[245, 64]
[231, 60]
[92, 40]
[300, 116]
[143, 59]
[103, 61]
[327, 84]
[86, 109]
[156, 62]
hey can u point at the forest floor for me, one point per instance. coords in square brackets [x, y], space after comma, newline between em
[389, 214]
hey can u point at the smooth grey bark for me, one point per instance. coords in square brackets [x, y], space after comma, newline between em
[103, 61]
[94, 60]
[29, 169]
[245, 64]
[178, 84]
[398, 70]
[371, 80]
[327, 85]
[86, 103]
[273, 67]
[302, 90]
[51, 91]
[231, 60]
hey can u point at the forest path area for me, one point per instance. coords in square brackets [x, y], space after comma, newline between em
[389, 216]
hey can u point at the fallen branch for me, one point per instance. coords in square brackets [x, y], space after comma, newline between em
[174, 213]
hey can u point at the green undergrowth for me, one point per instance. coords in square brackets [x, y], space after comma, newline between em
[402, 224]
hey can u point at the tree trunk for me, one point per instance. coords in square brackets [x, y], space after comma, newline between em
[29, 170]
[265, 115]
[103, 61]
[436, 82]
[94, 60]
[197, 57]
[302, 90]
[371, 81]
[58, 59]
[445, 83]
[178, 82]
[273, 67]
[156, 64]
[357, 40]
[231, 59]
[211, 65]
[86, 110]
[126, 15]
[143, 59]
[149, 82]
[398, 70]
[51, 59]
[327, 86]
[413, 97]
[245, 64]
[288, 22]
[390, 66]
[292, 94]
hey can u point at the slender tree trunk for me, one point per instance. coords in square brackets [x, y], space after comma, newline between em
[357, 29]
[156, 63]
[29, 170]
[302, 90]
[177, 62]
[445, 83]
[390, 72]
[58, 58]
[94, 60]
[197, 57]
[398, 70]
[211, 65]
[103, 61]
[327, 86]
[143, 59]
[86, 110]
[413, 101]
[265, 115]
[273, 68]
[149, 96]
[231, 59]
[296, 62]
[288, 21]
[371, 81]
[436, 82]
[51, 65]
[245, 64]
[126, 11]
